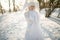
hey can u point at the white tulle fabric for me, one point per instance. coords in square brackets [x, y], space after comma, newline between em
[34, 31]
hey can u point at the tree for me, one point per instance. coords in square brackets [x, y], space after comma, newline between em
[40, 1]
[1, 10]
[14, 9]
[53, 4]
[50, 5]
[9, 6]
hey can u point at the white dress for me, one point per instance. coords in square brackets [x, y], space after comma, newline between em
[33, 29]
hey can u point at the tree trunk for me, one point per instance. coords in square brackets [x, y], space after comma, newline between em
[1, 10]
[48, 12]
[14, 9]
[39, 3]
[9, 6]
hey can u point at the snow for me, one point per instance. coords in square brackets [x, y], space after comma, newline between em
[13, 26]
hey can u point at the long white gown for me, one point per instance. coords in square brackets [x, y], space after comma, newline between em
[33, 29]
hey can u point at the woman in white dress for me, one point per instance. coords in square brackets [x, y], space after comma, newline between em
[33, 29]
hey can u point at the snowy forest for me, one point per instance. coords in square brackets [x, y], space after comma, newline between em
[16, 25]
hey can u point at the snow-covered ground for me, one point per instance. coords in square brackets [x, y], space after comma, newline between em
[13, 26]
[51, 25]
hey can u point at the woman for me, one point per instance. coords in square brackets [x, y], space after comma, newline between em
[33, 31]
